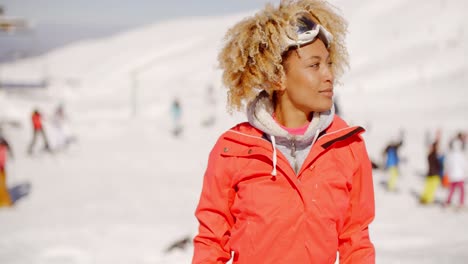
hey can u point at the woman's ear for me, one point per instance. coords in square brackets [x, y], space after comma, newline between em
[277, 87]
[281, 86]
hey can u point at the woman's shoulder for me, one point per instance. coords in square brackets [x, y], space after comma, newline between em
[338, 123]
[243, 128]
[351, 133]
[240, 133]
[338, 127]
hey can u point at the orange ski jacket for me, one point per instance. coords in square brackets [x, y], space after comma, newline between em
[246, 213]
[37, 122]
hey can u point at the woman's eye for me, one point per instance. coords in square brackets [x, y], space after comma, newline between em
[315, 65]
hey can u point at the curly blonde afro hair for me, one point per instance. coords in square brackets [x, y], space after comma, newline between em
[252, 58]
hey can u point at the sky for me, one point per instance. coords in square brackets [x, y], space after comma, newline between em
[121, 13]
[56, 23]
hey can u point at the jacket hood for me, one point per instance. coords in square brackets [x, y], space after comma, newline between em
[260, 116]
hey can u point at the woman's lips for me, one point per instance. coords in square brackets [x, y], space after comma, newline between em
[327, 93]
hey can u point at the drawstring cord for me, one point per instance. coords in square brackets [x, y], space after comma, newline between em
[316, 136]
[273, 142]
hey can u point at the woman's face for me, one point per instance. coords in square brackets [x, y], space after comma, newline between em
[308, 85]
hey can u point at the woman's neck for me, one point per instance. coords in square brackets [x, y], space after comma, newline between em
[292, 119]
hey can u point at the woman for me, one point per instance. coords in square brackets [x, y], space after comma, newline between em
[294, 183]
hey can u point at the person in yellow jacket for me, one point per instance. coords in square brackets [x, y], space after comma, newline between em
[5, 199]
[294, 183]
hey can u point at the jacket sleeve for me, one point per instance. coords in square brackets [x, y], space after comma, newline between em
[211, 245]
[354, 242]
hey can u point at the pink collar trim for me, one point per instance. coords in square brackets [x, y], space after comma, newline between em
[293, 131]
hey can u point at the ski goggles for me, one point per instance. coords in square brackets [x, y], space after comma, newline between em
[308, 30]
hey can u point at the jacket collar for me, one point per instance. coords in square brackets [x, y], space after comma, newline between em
[259, 115]
[250, 136]
[254, 144]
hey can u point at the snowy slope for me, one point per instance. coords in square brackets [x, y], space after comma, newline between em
[127, 188]
[161, 61]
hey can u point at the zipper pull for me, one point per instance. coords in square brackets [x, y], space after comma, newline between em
[293, 154]
[293, 148]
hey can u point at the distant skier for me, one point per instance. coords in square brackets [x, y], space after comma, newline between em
[176, 112]
[5, 150]
[61, 137]
[433, 177]
[463, 138]
[456, 167]
[38, 130]
[59, 115]
[210, 104]
[392, 161]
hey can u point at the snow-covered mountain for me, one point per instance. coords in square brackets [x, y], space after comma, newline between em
[127, 188]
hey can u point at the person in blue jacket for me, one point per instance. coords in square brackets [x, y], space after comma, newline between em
[392, 162]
